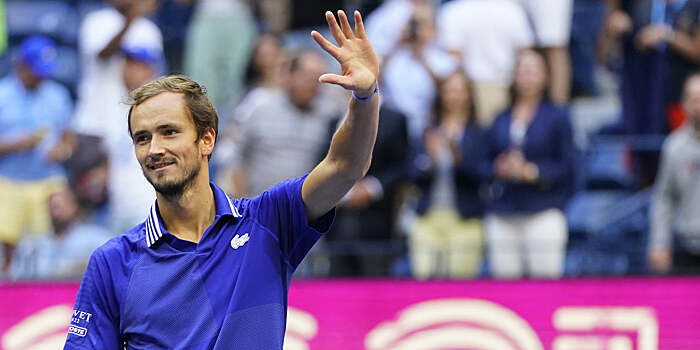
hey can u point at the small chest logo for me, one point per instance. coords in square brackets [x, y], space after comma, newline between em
[238, 241]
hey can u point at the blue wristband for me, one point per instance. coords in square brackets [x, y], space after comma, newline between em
[376, 89]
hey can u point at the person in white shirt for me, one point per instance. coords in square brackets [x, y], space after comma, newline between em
[120, 50]
[412, 69]
[103, 33]
[486, 35]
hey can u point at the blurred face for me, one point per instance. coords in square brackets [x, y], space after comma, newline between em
[530, 74]
[267, 54]
[303, 83]
[63, 209]
[136, 73]
[30, 80]
[166, 145]
[454, 93]
[691, 100]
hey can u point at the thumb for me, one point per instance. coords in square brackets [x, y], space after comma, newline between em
[336, 79]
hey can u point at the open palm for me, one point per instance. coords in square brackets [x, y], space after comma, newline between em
[358, 62]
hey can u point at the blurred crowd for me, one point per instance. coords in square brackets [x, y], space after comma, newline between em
[477, 169]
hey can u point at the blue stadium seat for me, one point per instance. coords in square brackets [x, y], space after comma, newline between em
[608, 233]
[55, 19]
[606, 167]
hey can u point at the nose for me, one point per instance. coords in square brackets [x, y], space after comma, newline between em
[156, 147]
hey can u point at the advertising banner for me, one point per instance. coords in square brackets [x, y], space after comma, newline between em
[582, 314]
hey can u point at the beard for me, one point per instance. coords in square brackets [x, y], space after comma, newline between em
[174, 188]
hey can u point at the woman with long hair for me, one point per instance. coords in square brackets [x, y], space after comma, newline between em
[447, 238]
[532, 153]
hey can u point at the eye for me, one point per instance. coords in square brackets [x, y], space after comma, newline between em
[141, 139]
[170, 132]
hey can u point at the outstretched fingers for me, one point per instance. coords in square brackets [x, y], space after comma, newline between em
[345, 25]
[359, 26]
[325, 44]
[334, 28]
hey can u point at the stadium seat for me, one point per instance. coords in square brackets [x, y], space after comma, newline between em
[606, 167]
[55, 19]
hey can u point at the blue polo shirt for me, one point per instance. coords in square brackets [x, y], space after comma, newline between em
[147, 289]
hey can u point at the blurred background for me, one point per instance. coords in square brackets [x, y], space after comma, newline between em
[518, 139]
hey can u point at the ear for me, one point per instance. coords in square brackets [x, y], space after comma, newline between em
[206, 142]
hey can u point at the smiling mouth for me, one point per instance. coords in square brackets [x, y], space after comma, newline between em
[158, 166]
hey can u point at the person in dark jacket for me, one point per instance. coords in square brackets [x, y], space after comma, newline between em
[531, 147]
[447, 236]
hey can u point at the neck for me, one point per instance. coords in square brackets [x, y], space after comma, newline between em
[455, 116]
[188, 214]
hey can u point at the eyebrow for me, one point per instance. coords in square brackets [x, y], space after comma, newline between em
[158, 128]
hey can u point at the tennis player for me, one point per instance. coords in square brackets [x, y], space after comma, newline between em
[206, 271]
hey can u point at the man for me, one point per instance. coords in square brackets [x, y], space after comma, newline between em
[103, 35]
[66, 251]
[286, 131]
[412, 70]
[205, 271]
[677, 194]
[34, 111]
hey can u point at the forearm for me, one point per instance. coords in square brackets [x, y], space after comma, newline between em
[351, 147]
[114, 44]
[686, 45]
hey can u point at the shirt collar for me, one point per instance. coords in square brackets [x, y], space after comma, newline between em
[154, 224]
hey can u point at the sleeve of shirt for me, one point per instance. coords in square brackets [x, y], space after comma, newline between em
[662, 205]
[557, 170]
[95, 320]
[281, 210]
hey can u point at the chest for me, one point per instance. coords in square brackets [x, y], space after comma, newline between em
[185, 297]
[537, 140]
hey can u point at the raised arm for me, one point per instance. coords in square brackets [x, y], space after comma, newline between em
[350, 152]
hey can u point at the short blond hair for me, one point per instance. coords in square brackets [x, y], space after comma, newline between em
[197, 103]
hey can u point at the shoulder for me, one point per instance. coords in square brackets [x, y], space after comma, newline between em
[7, 86]
[124, 247]
[55, 90]
[107, 15]
[677, 140]
[556, 114]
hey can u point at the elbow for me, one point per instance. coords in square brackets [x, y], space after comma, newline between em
[353, 171]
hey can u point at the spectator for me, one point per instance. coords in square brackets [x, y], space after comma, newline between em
[675, 228]
[217, 47]
[265, 76]
[486, 35]
[386, 24]
[367, 210]
[532, 152]
[451, 169]
[551, 21]
[103, 34]
[34, 112]
[65, 252]
[129, 192]
[661, 46]
[412, 69]
[266, 73]
[285, 132]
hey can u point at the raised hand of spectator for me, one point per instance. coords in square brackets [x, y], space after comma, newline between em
[358, 62]
[660, 260]
[652, 35]
[141, 8]
[618, 22]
